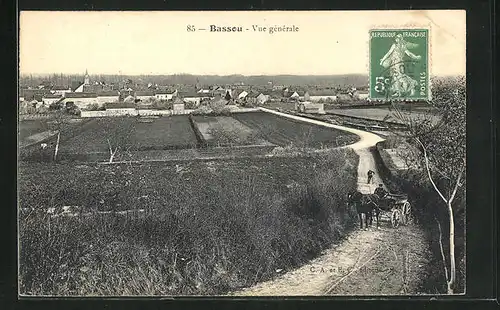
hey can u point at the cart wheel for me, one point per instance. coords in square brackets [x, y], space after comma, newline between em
[406, 213]
[402, 215]
[395, 218]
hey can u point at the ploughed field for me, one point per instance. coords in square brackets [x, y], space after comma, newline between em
[162, 138]
[283, 132]
[226, 130]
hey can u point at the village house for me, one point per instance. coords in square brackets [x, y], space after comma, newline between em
[81, 87]
[218, 90]
[344, 97]
[165, 94]
[124, 93]
[321, 95]
[194, 97]
[60, 90]
[242, 95]
[144, 95]
[261, 98]
[30, 94]
[225, 93]
[310, 107]
[234, 93]
[293, 95]
[81, 100]
[96, 88]
[252, 96]
[178, 108]
[361, 94]
[273, 95]
[49, 99]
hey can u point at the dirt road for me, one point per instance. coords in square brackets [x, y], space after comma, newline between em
[386, 261]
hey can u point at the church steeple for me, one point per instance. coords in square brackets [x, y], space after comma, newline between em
[87, 78]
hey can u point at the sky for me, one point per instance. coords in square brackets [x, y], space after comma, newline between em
[326, 43]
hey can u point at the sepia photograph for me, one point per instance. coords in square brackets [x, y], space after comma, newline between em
[241, 153]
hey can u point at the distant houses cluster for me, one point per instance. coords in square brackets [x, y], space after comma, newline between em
[99, 95]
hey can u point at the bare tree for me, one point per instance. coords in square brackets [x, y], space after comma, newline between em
[440, 137]
[119, 136]
[59, 123]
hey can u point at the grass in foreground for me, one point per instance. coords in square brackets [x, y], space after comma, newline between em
[205, 231]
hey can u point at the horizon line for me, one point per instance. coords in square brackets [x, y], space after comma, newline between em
[219, 75]
[194, 74]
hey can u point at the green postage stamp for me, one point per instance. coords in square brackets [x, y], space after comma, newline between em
[399, 64]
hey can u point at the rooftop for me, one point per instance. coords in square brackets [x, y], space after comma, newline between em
[51, 96]
[164, 92]
[144, 93]
[60, 87]
[324, 92]
[108, 93]
[81, 95]
[194, 95]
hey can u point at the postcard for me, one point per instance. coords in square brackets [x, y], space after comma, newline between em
[241, 153]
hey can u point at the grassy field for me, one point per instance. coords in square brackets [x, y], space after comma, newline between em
[209, 228]
[132, 132]
[283, 132]
[91, 140]
[31, 127]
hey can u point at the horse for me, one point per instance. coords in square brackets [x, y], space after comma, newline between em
[365, 204]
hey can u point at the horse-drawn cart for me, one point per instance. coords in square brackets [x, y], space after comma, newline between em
[399, 206]
[396, 206]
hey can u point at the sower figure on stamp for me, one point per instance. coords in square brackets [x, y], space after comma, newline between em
[402, 84]
[370, 176]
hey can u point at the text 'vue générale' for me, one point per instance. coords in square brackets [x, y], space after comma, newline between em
[253, 28]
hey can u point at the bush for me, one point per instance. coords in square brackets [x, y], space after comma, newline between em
[426, 208]
[95, 107]
[191, 105]
[203, 110]
[162, 104]
[212, 234]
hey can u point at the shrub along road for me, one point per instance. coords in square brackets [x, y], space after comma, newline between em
[386, 261]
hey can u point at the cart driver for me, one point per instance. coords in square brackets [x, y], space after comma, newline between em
[380, 191]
